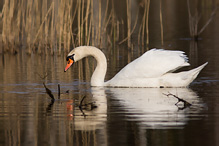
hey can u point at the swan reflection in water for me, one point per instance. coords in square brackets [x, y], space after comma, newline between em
[153, 109]
[147, 106]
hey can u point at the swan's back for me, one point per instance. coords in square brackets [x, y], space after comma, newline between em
[151, 69]
[154, 63]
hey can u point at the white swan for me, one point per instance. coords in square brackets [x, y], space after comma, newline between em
[153, 69]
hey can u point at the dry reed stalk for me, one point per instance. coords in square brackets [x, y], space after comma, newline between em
[79, 22]
[112, 30]
[54, 30]
[11, 14]
[122, 30]
[37, 13]
[60, 25]
[29, 23]
[105, 15]
[72, 20]
[88, 38]
[105, 24]
[92, 17]
[113, 25]
[128, 8]
[4, 24]
[147, 18]
[161, 23]
[80, 70]
[117, 32]
[65, 36]
[1, 13]
[143, 24]
[99, 26]
[69, 25]
[86, 23]
[22, 9]
[46, 24]
[7, 21]
[18, 20]
[66, 26]
[139, 34]
[82, 21]
[35, 24]
[88, 70]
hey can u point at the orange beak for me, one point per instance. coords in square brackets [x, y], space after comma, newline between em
[70, 62]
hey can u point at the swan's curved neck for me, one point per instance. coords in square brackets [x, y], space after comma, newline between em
[99, 73]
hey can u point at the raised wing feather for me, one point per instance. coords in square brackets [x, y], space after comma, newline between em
[154, 63]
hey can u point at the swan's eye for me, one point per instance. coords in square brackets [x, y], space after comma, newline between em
[70, 57]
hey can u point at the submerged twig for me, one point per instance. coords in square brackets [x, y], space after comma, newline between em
[185, 103]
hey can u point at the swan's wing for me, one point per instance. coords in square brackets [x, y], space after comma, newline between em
[154, 63]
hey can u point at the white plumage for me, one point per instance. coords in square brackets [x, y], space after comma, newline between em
[153, 69]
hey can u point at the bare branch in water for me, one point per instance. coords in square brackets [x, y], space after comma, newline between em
[49, 92]
[87, 106]
[59, 91]
[185, 103]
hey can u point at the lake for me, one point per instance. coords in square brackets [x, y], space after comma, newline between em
[85, 115]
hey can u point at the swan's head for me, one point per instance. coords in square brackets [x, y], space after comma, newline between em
[70, 61]
[75, 55]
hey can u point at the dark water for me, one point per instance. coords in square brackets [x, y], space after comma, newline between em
[113, 116]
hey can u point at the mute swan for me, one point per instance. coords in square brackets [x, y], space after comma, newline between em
[153, 69]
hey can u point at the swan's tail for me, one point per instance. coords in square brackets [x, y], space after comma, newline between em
[194, 72]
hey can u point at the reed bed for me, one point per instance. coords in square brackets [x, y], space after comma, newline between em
[56, 26]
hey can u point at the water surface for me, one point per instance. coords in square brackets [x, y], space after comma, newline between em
[113, 116]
